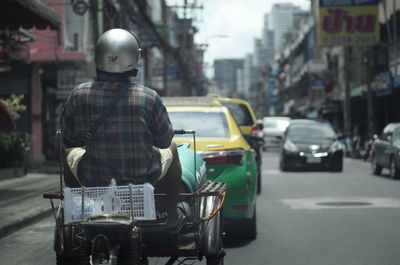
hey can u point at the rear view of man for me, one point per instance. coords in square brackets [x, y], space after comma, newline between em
[113, 128]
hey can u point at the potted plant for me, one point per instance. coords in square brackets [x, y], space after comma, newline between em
[15, 147]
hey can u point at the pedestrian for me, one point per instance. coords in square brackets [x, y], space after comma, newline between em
[113, 128]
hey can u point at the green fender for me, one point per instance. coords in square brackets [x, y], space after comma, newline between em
[187, 159]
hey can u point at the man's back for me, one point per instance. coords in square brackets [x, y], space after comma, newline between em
[123, 145]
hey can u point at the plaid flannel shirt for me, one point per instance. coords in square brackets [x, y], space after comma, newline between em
[124, 145]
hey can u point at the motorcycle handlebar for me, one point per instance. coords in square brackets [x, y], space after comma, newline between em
[184, 132]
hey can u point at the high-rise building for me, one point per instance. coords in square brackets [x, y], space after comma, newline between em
[250, 74]
[225, 71]
[281, 20]
[263, 55]
[267, 33]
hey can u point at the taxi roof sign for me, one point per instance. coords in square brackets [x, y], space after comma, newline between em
[189, 101]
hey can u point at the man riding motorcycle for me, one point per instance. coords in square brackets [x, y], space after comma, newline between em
[113, 128]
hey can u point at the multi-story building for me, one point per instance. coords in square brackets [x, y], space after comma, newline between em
[21, 23]
[250, 74]
[225, 74]
[281, 20]
[266, 50]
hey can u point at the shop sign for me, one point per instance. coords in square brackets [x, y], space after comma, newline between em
[170, 72]
[382, 81]
[148, 39]
[349, 22]
[318, 84]
[317, 66]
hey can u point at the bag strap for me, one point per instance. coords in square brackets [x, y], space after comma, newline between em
[90, 134]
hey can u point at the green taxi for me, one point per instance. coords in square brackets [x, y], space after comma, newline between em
[228, 156]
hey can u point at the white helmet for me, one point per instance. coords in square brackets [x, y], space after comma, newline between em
[117, 51]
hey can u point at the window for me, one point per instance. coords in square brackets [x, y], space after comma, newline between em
[310, 132]
[240, 113]
[396, 135]
[206, 124]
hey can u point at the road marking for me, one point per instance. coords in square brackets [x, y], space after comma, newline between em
[341, 203]
[272, 172]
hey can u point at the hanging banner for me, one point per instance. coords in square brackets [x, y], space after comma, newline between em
[349, 22]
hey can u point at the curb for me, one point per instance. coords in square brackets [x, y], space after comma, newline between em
[13, 172]
[36, 214]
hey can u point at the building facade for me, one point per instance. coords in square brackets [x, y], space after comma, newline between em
[225, 74]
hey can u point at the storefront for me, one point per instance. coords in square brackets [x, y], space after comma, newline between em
[17, 74]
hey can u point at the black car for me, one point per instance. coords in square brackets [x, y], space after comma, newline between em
[385, 152]
[311, 145]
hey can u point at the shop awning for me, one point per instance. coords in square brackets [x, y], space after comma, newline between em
[27, 14]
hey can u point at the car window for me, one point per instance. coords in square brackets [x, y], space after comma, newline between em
[396, 135]
[276, 124]
[206, 124]
[310, 131]
[387, 136]
[240, 113]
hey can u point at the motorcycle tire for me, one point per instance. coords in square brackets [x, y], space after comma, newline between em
[394, 171]
[62, 260]
[86, 251]
[376, 169]
[134, 253]
[218, 258]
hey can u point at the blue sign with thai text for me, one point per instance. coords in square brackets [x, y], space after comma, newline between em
[330, 3]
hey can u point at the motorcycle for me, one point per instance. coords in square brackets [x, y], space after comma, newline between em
[127, 224]
[368, 146]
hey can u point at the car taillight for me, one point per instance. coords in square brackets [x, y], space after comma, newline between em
[226, 156]
[254, 128]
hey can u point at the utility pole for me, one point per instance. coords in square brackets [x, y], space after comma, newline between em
[189, 85]
[184, 51]
[395, 38]
[94, 17]
[370, 106]
[347, 95]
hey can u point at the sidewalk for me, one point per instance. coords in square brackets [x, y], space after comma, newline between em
[21, 199]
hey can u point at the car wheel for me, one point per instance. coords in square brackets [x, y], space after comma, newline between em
[394, 172]
[376, 169]
[248, 228]
[259, 181]
[338, 167]
[283, 166]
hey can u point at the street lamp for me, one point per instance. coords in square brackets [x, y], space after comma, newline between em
[216, 36]
[205, 44]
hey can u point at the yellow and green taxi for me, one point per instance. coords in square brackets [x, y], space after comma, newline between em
[243, 113]
[228, 156]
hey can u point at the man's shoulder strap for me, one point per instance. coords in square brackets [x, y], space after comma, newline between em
[90, 134]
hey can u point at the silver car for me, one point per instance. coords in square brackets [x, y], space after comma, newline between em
[273, 130]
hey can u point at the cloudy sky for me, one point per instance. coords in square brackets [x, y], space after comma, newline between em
[239, 20]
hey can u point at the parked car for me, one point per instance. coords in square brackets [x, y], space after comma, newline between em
[229, 158]
[385, 151]
[310, 145]
[244, 115]
[273, 129]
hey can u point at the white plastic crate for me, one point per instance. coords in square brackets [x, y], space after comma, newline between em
[109, 200]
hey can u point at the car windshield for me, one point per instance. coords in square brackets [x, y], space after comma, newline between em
[276, 124]
[310, 131]
[240, 112]
[206, 124]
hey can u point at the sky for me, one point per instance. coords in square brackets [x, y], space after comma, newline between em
[238, 21]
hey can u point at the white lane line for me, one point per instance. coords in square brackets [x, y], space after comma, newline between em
[272, 172]
[341, 203]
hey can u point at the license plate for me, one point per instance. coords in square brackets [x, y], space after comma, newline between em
[313, 160]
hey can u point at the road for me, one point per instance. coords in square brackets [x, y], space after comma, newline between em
[309, 218]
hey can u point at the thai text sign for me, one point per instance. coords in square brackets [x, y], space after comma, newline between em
[348, 22]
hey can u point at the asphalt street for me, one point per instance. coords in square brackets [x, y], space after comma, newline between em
[309, 218]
